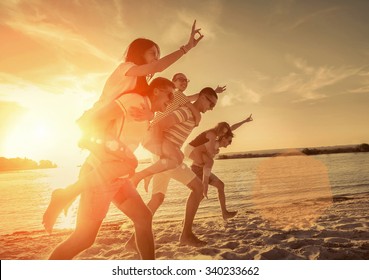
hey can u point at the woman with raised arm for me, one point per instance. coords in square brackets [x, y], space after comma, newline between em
[202, 157]
[141, 62]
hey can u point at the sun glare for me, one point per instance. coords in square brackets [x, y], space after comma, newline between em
[29, 137]
[42, 132]
[45, 138]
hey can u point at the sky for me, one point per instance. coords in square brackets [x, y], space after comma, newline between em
[300, 67]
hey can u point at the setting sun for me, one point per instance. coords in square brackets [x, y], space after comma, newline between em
[36, 136]
[30, 134]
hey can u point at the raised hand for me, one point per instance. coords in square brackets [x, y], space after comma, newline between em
[249, 119]
[195, 37]
[220, 89]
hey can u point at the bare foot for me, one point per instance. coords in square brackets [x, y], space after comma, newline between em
[147, 181]
[191, 240]
[56, 205]
[229, 214]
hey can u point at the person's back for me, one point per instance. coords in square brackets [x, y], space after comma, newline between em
[200, 139]
[178, 133]
[127, 128]
[118, 83]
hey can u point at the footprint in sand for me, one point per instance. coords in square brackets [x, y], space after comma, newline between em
[230, 256]
[337, 240]
[311, 252]
[209, 251]
[277, 254]
[350, 226]
[231, 245]
[297, 244]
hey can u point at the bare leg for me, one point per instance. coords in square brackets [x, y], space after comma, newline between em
[209, 162]
[131, 204]
[171, 157]
[216, 182]
[158, 167]
[192, 204]
[81, 239]
[61, 198]
[154, 204]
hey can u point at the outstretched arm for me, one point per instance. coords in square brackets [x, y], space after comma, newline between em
[237, 125]
[218, 89]
[166, 61]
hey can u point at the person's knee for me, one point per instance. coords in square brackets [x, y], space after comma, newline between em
[174, 163]
[220, 186]
[144, 219]
[155, 202]
[197, 187]
[158, 198]
[170, 163]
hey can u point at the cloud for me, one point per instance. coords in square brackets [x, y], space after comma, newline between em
[362, 89]
[312, 17]
[237, 93]
[207, 14]
[61, 92]
[307, 82]
[283, 7]
[51, 27]
[362, 84]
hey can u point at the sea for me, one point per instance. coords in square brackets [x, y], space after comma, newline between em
[24, 195]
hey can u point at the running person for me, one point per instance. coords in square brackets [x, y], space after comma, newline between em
[141, 62]
[199, 165]
[176, 127]
[99, 175]
[204, 147]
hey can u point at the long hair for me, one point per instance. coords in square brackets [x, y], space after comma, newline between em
[135, 53]
[229, 134]
[219, 128]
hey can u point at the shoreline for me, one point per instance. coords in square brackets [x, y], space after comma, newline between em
[289, 152]
[340, 233]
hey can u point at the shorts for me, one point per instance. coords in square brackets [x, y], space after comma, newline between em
[182, 174]
[199, 171]
[104, 185]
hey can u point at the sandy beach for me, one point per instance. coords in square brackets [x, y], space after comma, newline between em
[340, 233]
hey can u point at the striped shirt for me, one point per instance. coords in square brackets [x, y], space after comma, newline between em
[178, 133]
[180, 99]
